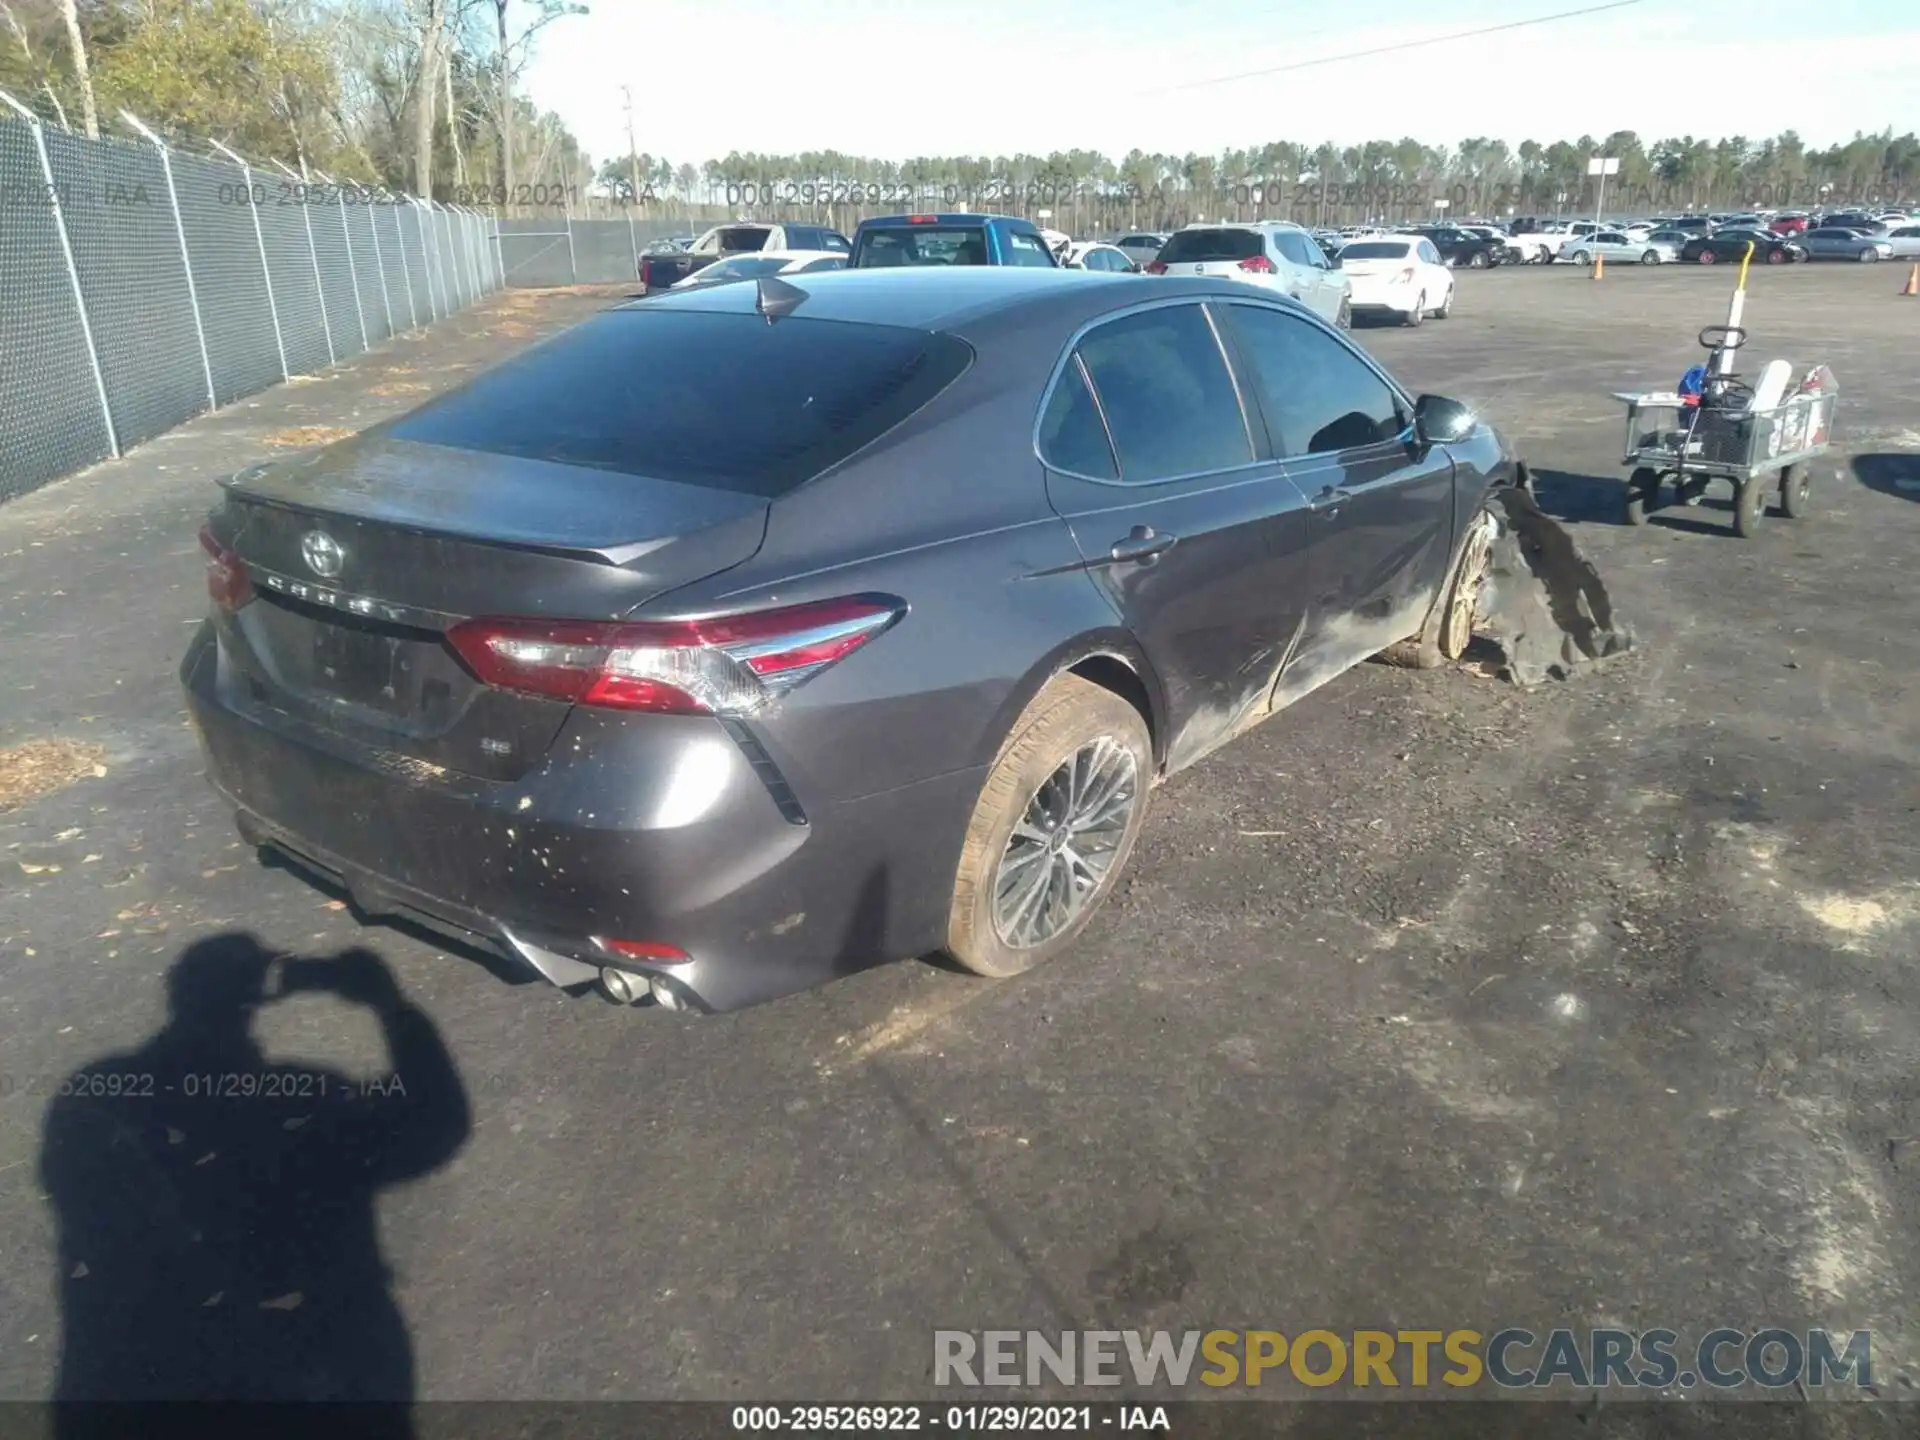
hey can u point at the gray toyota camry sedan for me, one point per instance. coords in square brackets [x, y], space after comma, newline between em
[737, 640]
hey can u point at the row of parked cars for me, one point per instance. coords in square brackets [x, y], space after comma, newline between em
[1404, 275]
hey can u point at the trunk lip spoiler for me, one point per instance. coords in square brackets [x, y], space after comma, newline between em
[615, 554]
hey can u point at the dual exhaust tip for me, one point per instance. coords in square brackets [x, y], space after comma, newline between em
[625, 987]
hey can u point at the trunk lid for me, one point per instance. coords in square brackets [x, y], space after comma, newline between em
[363, 555]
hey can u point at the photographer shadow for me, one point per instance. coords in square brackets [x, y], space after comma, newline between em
[217, 1231]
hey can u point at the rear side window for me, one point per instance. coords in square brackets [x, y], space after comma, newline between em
[1195, 247]
[633, 391]
[1319, 396]
[1072, 436]
[1294, 246]
[1027, 250]
[1168, 398]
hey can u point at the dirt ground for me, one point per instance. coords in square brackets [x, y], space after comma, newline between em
[1430, 1003]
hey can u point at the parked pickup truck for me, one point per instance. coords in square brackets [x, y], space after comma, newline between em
[894, 240]
[664, 271]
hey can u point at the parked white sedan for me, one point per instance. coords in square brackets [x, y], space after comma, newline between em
[1097, 255]
[1399, 275]
[1905, 240]
[1619, 245]
[762, 263]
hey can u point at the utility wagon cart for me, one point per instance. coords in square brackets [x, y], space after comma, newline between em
[1752, 437]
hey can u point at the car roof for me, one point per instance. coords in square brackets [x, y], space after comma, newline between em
[947, 297]
[960, 217]
[1244, 225]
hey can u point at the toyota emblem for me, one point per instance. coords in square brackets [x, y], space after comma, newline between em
[322, 554]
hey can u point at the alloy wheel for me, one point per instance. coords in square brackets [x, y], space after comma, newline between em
[1063, 846]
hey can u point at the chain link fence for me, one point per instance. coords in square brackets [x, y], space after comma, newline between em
[140, 285]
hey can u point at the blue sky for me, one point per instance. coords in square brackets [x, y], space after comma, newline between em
[920, 77]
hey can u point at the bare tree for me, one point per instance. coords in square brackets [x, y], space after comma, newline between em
[80, 71]
[433, 37]
[510, 57]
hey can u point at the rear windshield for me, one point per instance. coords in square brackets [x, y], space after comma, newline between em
[922, 245]
[1375, 250]
[724, 401]
[1191, 247]
[743, 237]
[742, 267]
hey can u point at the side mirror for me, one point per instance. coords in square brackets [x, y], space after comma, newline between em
[1134, 267]
[1440, 421]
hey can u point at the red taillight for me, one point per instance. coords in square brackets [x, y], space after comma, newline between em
[1156, 267]
[1406, 275]
[1258, 264]
[228, 585]
[726, 665]
[923, 219]
[651, 952]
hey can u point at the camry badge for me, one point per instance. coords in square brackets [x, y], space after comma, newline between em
[322, 554]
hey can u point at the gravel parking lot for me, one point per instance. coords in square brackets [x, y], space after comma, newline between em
[1430, 1003]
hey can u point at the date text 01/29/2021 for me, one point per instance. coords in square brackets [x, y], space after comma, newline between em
[951, 1419]
[205, 1085]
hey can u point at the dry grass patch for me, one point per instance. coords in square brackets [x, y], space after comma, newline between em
[302, 436]
[40, 767]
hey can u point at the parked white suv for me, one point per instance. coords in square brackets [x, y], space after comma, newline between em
[1271, 254]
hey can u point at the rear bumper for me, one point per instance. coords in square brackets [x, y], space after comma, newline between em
[657, 828]
[1382, 298]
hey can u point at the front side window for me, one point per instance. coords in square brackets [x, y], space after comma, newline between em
[1319, 396]
[1167, 394]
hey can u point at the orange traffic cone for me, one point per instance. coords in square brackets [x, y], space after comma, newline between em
[1912, 286]
[1599, 267]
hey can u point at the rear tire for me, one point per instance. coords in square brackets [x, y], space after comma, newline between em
[1417, 314]
[1074, 736]
[1448, 628]
[1796, 490]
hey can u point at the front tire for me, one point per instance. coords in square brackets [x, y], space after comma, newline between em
[1867, 257]
[1446, 306]
[1643, 494]
[1477, 260]
[1652, 257]
[1052, 830]
[1776, 257]
[1417, 314]
[1449, 626]
[1343, 317]
[1580, 257]
[1707, 257]
[1749, 504]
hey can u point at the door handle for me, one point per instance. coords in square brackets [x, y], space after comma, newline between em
[1329, 499]
[1142, 543]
